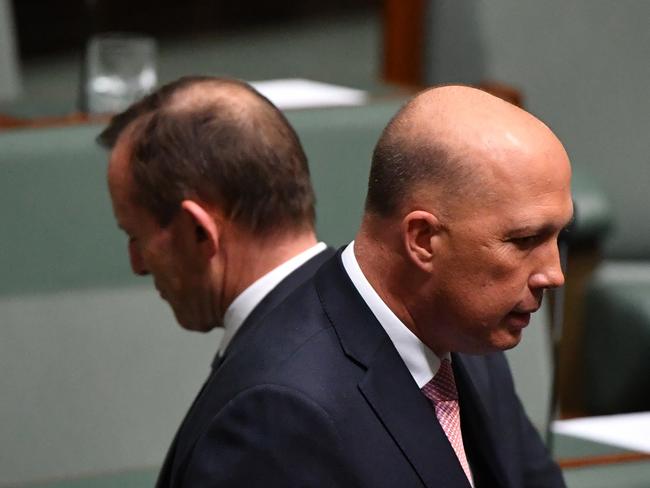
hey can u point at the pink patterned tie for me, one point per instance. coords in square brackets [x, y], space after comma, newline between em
[442, 393]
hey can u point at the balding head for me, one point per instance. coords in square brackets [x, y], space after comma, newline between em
[188, 93]
[447, 142]
[221, 142]
[466, 199]
[217, 92]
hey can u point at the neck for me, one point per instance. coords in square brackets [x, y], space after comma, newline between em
[248, 258]
[378, 252]
[378, 248]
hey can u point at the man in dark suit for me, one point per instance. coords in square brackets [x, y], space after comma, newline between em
[386, 368]
[211, 185]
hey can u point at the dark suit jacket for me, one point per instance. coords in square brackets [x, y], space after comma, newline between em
[316, 395]
[269, 302]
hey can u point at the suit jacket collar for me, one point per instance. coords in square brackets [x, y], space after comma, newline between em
[392, 393]
[190, 429]
[273, 299]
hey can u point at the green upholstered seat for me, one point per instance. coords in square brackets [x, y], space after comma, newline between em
[592, 209]
[617, 338]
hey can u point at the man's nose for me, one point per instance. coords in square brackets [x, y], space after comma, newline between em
[549, 274]
[137, 263]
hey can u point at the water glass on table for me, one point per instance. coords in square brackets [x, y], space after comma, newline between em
[120, 69]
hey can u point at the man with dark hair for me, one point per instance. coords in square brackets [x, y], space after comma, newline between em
[211, 185]
[386, 368]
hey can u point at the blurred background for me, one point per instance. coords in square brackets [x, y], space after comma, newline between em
[96, 374]
[336, 41]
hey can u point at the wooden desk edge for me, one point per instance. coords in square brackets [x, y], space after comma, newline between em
[75, 118]
[583, 462]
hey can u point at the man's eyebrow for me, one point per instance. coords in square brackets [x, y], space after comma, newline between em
[531, 229]
[542, 228]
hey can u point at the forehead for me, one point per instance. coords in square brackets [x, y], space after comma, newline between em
[118, 173]
[537, 212]
[121, 187]
[515, 215]
[523, 186]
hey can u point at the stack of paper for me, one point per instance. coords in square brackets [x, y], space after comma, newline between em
[629, 431]
[299, 93]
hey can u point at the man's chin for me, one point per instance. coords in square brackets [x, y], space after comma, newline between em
[510, 338]
[502, 341]
[198, 328]
[197, 325]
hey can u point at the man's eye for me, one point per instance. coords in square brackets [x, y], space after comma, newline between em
[525, 241]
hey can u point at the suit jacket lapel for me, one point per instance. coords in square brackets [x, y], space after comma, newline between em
[387, 385]
[192, 425]
[165, 477]
[275, 297]
[478, 427]
[411, 420]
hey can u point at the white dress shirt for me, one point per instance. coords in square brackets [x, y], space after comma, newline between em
[247, 300]
[421, 361]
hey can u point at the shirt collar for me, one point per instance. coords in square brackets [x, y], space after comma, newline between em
[247, 300]
[421, 361]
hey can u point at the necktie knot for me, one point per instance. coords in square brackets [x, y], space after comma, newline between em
[442, 388]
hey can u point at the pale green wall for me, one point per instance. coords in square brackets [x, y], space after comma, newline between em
[583, 67]
[94, 380]
[9, 69]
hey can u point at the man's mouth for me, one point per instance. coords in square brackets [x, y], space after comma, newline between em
[527, 310]
[519, 319]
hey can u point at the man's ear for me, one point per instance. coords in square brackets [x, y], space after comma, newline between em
[201, 229]
[420, 234]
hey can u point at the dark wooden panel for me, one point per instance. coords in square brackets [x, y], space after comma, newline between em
[404, 41]
[60, 25]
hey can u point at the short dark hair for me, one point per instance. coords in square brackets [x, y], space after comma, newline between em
[403, 162]
[154, 101]
[224, 144]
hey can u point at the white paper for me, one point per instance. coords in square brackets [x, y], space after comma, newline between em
[629, 431]
[300, 93]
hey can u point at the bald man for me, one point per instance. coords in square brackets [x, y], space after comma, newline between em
[386, 368]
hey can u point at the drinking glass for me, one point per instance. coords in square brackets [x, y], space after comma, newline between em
[120, 69]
